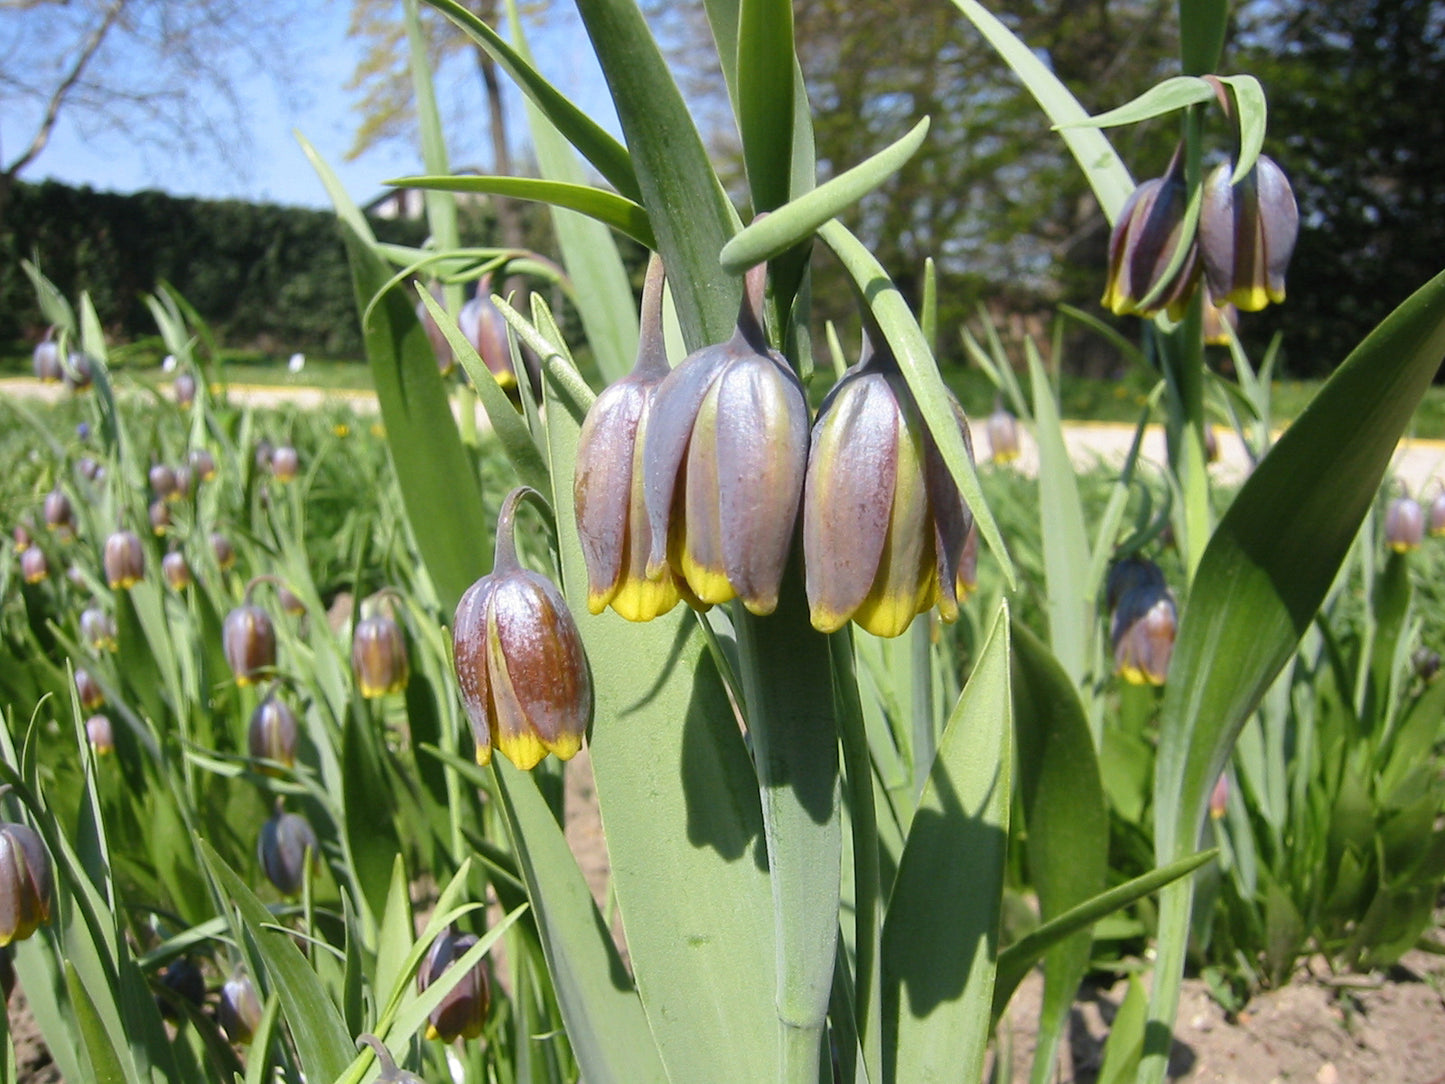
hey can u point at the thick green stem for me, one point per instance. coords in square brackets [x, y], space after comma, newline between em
[788, 687]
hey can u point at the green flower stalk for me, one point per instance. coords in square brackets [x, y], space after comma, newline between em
[608, 491]
[884, 526]
[463, 1012]
[26, 883]
[1146, 235]
[723, 465]
[1247, 232]
[519, 659]
[124, 560]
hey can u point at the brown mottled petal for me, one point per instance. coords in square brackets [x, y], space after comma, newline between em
[512, 729]
[848, 496]
[762, 452]
[602, 488]
[472, 659]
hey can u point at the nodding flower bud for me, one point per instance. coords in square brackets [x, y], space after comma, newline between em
[463, 1012]
[46, 360]
[21, 536]
[285, 463]
[612, 522]
[59, 515]
[249, 640]
[160, 517]
[290, 602]
[519, 659]
[25, 883]
[1247, 232]
[273, 732]
[239, 1009]
[1219, 797]
[79, 371]
[180, 984]
[88, 690]
[1142, 246]
[1437, 514]
[99, 733]
[287, 846]
[89, 469]
[884, 526]
[1003, 434]
[379, 660]
[163, 482]
[124, 560]
[97, 628]
[723, 463]
[1143, 621]
[1404, 524]
[203, 464]
[34, 565]
[223, 551]
[184, 389]
[176, 571]
[486, 329]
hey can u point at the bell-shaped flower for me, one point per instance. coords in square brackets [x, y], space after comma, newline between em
[1143, 621]
[462, 1013]
[239, 1009]
[884, 526]
[272, 733]
[34, 565]
[79, 371]
[88, 690]
[612, 522]
[97, 628]
[184, 388]
[176, 571]
[519, 660]
[723, 463]
[124, 560]
[26, 883]
[1143, 245]
[1404, 524]
[223, 551]
[1003, 434]
[249, 641]
[46, 360]
[285, 463]
[100, 734]
[1437, 515]
[163, 482]
[379, 661]
[1247, 232]
[486, 329]
[286, 847]
[59, 514]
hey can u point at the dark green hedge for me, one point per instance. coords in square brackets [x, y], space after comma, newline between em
[265, 277]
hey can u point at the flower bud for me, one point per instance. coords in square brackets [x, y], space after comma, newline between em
[21, 535]
[378, 657]
[203, 464]
[249, 641]
[163, 482]
[608, 490]
[1219, 797]
[181, 982]
[99, 733]
[1142, 245]
[1404, 524]
[723, 463]
[1143, 622]
[239, 1009]
[46, 361]
[184, 482]
[287, 844]
[290, 601]
[1247, 233]
[88, 469]
[884, 527]
[273, 732]
[463, 1012]
[124, 560]
[159, 514]
[285, 463]
[97, 628]
[88, 690]
[486, 329]
[1437, 515]
[1003, 434]
[175, 570]
[184, 389]
[59, 516]
[223, 551]
[34, 565]
[519, 660]
[25, 883]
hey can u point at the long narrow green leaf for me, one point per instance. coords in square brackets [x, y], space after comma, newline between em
[322, 1044]
[940, 939]
[1103, 168]
[620, 213]
[690, 214]
[799, 219]
[591, 140]
[105, 1063]
[438, 483]
[920, 370]
[1159, 100]
[765, 78]
[1262, 577]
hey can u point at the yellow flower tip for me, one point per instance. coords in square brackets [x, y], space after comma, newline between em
[761, 605]
[566, 747]
[1254, 297]
[597, 601]
[1005, 457]
[1136, 675]
[709, 586]
[642, 600]
[1403, 547]
[341, 429]
[125, 583]
[484, 755]
[524, 750]
[505, 380]
[826, 620]
[432, 1033]
[885, 617]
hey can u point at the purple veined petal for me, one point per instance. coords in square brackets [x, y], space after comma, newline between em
[695, 544]
[669, 429]
[472, 660]
[848, 497]
[762, 453]
[603, 486]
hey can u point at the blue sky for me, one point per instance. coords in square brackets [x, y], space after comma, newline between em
[273, 168]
